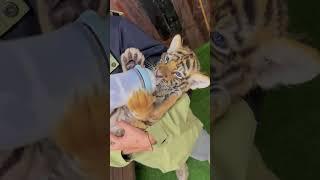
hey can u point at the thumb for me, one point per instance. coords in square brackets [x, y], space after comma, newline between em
[115, 144]
[114, 138]
[114, 147]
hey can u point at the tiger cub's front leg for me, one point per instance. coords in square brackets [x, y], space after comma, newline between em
[138, 124]
[164, 107]
[130, 58]
[183, 172]
[141, 105]
[221, 101]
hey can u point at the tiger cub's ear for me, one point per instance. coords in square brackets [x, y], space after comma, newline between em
[284, 62]
[198, 81]
[176, 43]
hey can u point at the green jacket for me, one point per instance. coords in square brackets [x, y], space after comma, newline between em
[175, 134]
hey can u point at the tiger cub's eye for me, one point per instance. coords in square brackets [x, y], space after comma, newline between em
[178, 75]
[218, 40]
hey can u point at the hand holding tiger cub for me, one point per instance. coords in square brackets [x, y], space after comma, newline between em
[134, 140]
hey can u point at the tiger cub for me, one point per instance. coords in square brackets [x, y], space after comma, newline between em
[250, 47]
[177, 72]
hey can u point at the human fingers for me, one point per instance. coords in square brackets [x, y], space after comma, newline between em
[136, 150]
[115, 147]
[114, 138]
[124, 125]
[115, 142]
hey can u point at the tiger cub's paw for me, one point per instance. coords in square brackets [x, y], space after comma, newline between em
[141, 104]
[221, 103]
[131, 57]
[160, 110]
[139, 124]
[183, 172]
[177, 93]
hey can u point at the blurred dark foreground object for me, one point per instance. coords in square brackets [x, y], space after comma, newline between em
[42, 75]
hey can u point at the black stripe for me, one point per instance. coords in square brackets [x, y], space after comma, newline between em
[232, 70]
[282, 15]
[183, 86]
[215, 57]
[215, 89]
[13, 160]
[236, 79]
[230, 8]
[176, 56]
[249, 8]
[234, 84]
[237, 37]
[233, 10]
[233, 79]
[221, 11]
[180, 53]
[188, 63]
[197, 64]
[184, 73]
[193, 64]
[268, 13]
[219, 16]
[235, 13]
[220, 56]
[213, 70]
[239, 86]
[225, 5]
[246, 52]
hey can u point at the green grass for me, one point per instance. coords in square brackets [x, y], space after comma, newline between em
[200, 105]
[289, 134]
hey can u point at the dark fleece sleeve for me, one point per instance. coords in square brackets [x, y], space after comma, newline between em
[124, 34]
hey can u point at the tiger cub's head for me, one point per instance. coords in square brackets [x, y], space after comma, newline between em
[179, 70]
[251, 47]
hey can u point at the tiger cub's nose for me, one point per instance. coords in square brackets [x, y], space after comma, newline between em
[158, 74]
[166, 72]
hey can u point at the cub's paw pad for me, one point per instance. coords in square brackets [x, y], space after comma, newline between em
[141, 104]
[131, 57]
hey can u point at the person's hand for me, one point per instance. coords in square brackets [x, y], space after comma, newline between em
[134, 140]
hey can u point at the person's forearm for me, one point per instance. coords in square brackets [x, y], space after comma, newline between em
[40, 76]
